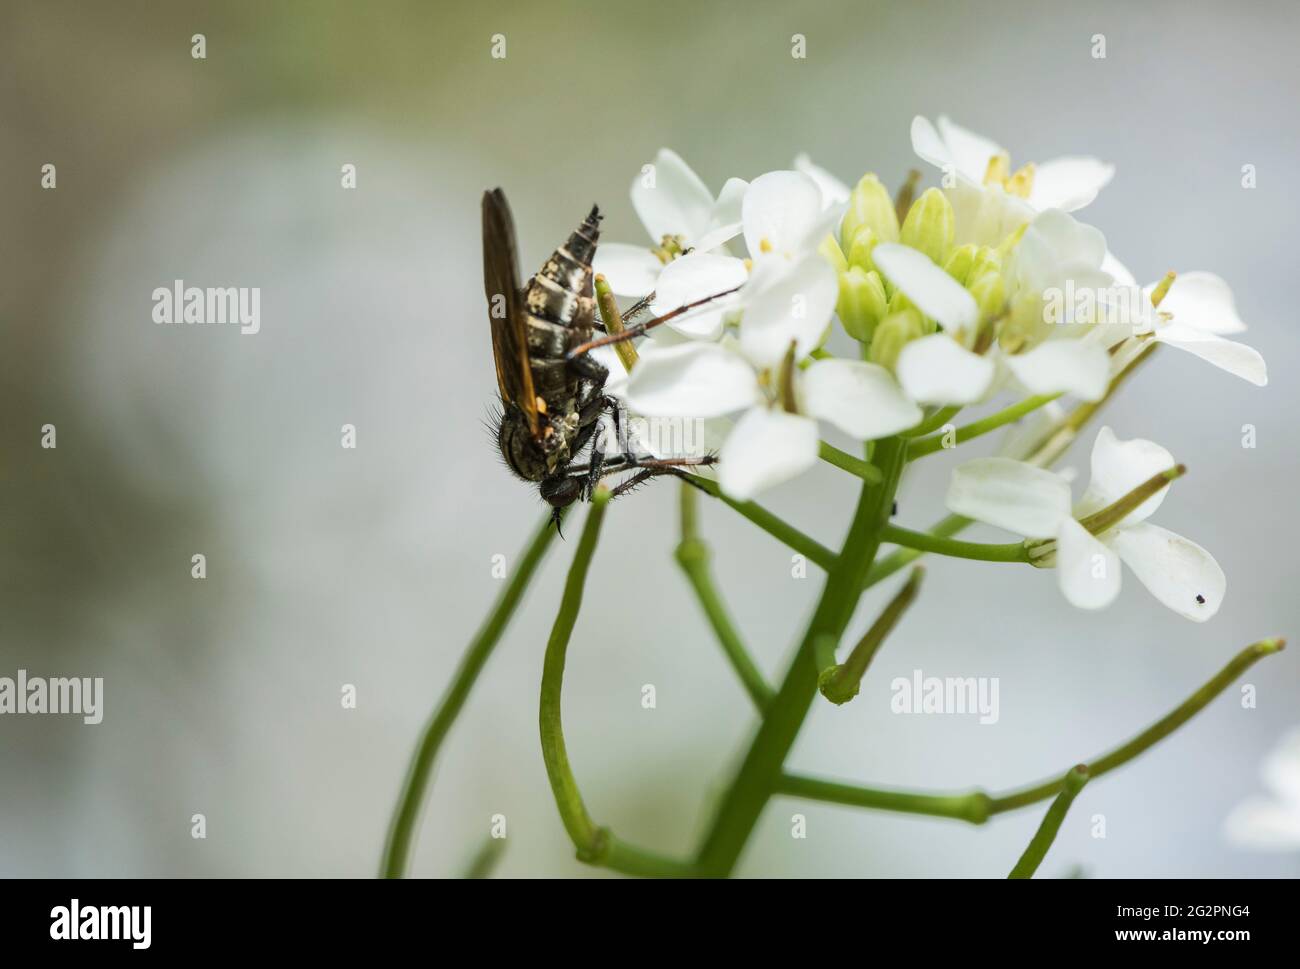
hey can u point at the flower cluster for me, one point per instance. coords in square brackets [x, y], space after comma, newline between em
[985, 286]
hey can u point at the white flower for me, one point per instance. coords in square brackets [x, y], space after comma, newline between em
[1272, 823]
[1064, 183]
[674, 203]
[1059, 256]
[1036, 503]
[1193, 316]
[783, 221]
[1054, 252]
[784, 215]
[776, 437]
[935, 369]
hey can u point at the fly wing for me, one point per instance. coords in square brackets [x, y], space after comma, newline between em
[505, 308]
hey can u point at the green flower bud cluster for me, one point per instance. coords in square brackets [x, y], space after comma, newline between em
[864, 294]
[872, 312]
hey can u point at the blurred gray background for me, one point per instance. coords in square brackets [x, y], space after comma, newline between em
[373, 566]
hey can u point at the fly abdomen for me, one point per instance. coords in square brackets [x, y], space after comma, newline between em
[562, 292]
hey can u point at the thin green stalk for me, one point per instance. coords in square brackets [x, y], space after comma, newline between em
[978, 806]
[970, 807]
[810, 549]
[886, 566]
[1162, 728]
[1117, 511]
[595, 845]
[693, 557]
[936, 420]
[840, 683]
[922, 446]
[406, 814]
[847, 462]
[1071, 785]
[486, 858]
[929, 542]
[760, 770]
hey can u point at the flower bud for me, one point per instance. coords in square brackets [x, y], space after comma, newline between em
[871, 206]
[960, 261]
[860, 249]
[930, 226]
[990, 295]
[987, 260]
[861, 303]
[833, 254]
[893, 333]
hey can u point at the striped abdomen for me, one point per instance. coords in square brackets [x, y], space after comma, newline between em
[561, 307]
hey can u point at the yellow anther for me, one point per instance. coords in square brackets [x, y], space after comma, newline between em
[764, 245]
[998, 169]
[1022, 182]
[1162, 287]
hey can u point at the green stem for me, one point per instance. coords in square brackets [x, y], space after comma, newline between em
[922, 446]
[886, 566]
[930, 542]
[1162, 728]
[693, 557]
[1071, 785]
[972, 807]
[812, 550]
[406, 814]
[486, 858]
[595, 845]
[760, 770]
[936, 420]
[1117, 511]
[841, 683]
[847, 462]
[978, 806]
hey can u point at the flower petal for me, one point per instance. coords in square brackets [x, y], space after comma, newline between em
[1120, 466]
[935, 293]
[629, 270]
[1236, 358]
[985, 216]
[969, 151]
[780, 211]
[692, 380]
[834, 192]
[928, 144]
[1057, 247]
[697, 276]
[784, 302]
[1064, 366]
[674, 202]
[766, 447]
[1087, 571]
[1069, 183]
[1202, 301]
[861, 399]
[1010, 494]
[1175, 570]
[936, 369]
